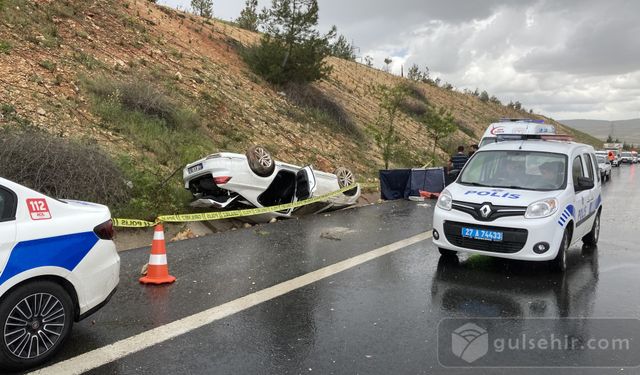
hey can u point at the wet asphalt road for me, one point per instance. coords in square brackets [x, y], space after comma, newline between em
[377, 318]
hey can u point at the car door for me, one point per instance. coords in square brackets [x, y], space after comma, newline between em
[305, 183]
[8, 205]
[581, 197]
[594, 193]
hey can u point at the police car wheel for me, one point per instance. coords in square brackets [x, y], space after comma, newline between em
[559, 263]
[591, 239]
[35, 320]
[447, 253]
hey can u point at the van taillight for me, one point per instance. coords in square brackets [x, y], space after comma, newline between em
[104, 231]
[221, 180]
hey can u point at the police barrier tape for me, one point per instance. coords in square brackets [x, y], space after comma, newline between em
[207, 216]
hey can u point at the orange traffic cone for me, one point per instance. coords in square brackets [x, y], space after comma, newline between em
[158, 270]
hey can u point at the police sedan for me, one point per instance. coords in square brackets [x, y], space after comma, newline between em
[58, 264]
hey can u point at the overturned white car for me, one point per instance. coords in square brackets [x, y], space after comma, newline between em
[228, 180]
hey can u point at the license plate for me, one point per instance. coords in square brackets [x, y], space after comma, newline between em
[481, 234]
[195, 168]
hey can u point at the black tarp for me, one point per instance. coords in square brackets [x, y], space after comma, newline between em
[430, 179]
[394, 183]
[403, 183]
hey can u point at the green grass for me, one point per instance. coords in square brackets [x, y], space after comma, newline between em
[152, 194]
[50, 66]
[167, 134]
[5, 47]
[170, 149]
[87, 60]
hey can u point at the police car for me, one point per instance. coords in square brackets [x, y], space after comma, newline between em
[527, 200]
[58, 265]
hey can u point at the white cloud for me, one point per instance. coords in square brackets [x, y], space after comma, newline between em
[563, 58]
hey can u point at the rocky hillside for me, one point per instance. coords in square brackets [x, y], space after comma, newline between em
[157, 88]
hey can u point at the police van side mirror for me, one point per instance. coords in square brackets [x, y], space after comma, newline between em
[584, 183]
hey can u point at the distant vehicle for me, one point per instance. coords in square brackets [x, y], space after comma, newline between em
[626, 157]
[635, 156]
[58, 265]
[228, 180]
[616, 148]
[605, 167]
[616, 156]
[525, 200]
[517, 129]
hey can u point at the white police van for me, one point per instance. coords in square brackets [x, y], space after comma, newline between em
[516, 129]
[527, 200]
[58, 264]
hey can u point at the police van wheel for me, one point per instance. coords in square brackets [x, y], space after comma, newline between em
[35, 320]
[447, 253]
[559, 263]
[591, 239]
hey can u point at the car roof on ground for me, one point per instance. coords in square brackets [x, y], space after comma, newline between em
[559, 147]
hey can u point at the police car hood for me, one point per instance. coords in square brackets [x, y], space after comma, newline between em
[497, 196]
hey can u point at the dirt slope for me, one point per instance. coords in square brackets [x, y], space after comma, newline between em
[49, 49]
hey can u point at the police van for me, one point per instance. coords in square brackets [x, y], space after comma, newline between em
[526, 200]
[516, 129]
[58, 264]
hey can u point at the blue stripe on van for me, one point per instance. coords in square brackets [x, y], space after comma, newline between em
[62, 251]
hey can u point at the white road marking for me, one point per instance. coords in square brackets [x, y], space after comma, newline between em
[133, 344]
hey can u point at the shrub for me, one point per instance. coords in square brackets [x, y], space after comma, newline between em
[60, 167]
[141, 96]
[414, 91]
[322, 107]
[413, 107]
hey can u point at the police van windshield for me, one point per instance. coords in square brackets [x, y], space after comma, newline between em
[526, 170]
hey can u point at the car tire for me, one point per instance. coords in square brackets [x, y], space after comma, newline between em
[591, 239]
[346, 178]
[49, 326]
[559, 263]
[260, 161]
[448, 253]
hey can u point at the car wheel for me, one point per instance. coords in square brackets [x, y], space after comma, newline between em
[559, 263]
[591, 239]
[345, 177]
[448, 253]
[260, 161]
[35, 320]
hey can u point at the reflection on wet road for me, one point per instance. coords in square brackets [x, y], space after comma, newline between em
[380, 317]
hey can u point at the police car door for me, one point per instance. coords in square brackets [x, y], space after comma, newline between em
[580, 174]
[593, 173]
[7, 224]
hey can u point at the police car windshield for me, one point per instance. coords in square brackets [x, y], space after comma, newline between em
[526, 170]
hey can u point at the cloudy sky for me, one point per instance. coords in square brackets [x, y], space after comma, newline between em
[563, 58]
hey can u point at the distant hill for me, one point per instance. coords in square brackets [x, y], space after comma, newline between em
[625, 130]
